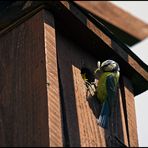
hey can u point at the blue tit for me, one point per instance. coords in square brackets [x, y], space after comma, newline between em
[106, 89]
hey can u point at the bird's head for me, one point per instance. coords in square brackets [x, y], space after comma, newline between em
[108, 66]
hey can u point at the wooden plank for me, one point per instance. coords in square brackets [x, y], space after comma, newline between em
[23, 98]
[117, 16]
[2, 133]
[15, 11]
[68, 91]
[113, 15]
[127, 92]
[116, 135]
[89, 131]
[54, 104]
[125, 136]
[30, 112]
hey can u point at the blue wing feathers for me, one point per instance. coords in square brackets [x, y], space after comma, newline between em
[106, 108]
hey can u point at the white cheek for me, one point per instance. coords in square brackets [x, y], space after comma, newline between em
[109, 68]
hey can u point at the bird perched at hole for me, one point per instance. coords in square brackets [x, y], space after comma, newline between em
[106, 89]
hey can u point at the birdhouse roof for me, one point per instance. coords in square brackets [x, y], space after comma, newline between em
[117, 17]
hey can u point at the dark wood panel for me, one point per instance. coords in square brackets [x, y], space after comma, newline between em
[23, 97]
[127, 93]
[118, 17]
[123, 117]
[54, 104]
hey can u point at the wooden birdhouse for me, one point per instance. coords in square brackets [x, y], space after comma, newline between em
[43, 99]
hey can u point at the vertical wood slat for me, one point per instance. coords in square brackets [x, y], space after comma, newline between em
[125, 136]
[23, 98]
[30, 112]
[130, 110]
[2, 133]
[65, 70]
[117, 123]
[54, 108]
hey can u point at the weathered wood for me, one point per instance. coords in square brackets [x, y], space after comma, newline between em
[67, 89]
[54, 108]
[122, 112]
[117, 16]
[23, 99]
[127, 92]
[14, 11]
[90, 133]
[2, 133]
[29, 106]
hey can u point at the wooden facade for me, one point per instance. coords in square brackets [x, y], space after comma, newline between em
[43, 99]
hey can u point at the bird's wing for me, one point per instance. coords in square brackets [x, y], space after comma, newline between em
[107, 105]
[111, 88]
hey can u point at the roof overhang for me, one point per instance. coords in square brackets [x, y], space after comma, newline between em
[117, 17]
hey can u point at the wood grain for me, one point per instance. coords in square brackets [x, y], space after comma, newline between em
[127, 92]
[29, 116]
[23, 100]
[117, 16]
[54, 104]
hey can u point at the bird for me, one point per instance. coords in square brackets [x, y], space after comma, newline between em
[106, 89]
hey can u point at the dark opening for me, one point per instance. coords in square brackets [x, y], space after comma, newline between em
[66, 142]
[88, 73]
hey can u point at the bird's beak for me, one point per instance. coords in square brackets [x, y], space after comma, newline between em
[98, 69]
[98, 64]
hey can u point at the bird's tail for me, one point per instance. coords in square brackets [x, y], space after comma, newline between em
[104, 115]
[103, 121]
